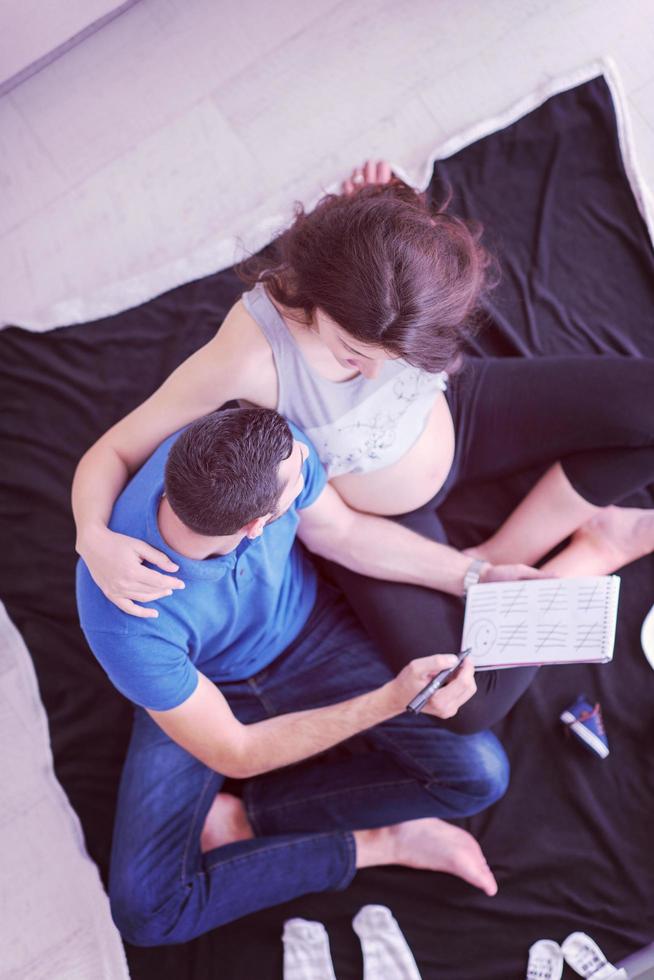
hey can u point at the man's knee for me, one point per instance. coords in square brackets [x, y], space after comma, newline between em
[483, 777]
[488, 770]
[477, 775]
[141, 919]
[132, 924]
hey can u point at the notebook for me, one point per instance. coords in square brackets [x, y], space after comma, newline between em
[541, 621]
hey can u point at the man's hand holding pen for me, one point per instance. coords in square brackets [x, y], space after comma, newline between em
[448, 699]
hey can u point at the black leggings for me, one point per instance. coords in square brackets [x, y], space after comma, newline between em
[593, 414]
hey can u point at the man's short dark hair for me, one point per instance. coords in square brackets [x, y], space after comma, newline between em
[222, 470]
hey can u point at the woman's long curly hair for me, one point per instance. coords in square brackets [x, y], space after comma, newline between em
[387, 267]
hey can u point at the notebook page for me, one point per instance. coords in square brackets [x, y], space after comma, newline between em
[541, 621]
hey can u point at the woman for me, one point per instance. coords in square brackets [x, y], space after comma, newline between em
[351, 329]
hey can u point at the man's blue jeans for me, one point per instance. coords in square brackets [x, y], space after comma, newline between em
[164, 890]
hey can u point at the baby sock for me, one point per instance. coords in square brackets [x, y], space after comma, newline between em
[584, 955]
[386, 954]
[306, 951]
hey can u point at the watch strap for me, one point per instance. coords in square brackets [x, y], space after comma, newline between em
[473, 574]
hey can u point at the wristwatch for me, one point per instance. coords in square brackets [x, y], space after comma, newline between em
[473, 574]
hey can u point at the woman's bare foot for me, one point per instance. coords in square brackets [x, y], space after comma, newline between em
[372, 172]
[429, 844]
[549, 514]
[226, 823]
[611, 539]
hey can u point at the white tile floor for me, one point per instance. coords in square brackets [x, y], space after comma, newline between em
[186, 122]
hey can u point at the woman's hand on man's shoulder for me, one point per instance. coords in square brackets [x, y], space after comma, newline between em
[115, 562]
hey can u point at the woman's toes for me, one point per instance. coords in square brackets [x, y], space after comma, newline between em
[384, 172]
[372, 172]
[355, 180]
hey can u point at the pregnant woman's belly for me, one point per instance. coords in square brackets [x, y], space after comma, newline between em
[412, 480]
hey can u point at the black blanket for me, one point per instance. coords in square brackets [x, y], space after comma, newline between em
[571, 843]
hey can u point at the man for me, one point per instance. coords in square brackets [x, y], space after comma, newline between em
[256, 668]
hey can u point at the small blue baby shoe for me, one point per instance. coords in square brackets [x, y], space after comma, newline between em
[585, 722]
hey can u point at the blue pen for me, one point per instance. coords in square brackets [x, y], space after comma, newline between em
[422, 697]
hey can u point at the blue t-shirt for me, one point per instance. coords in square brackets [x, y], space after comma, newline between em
[237, 613]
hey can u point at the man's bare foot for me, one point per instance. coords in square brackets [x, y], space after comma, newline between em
[429, 844]
[611, 539]
[372, 172]
[226, 823]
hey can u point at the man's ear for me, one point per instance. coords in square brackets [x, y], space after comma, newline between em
[254, 529]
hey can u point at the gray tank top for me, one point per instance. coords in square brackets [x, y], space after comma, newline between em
[357, 425]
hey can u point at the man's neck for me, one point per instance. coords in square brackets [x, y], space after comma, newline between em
[186, 542]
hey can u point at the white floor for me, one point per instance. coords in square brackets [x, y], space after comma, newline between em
[183, 123]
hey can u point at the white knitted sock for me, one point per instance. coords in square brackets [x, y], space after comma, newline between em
[386, 953]
[306, 951]
[584, 955]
